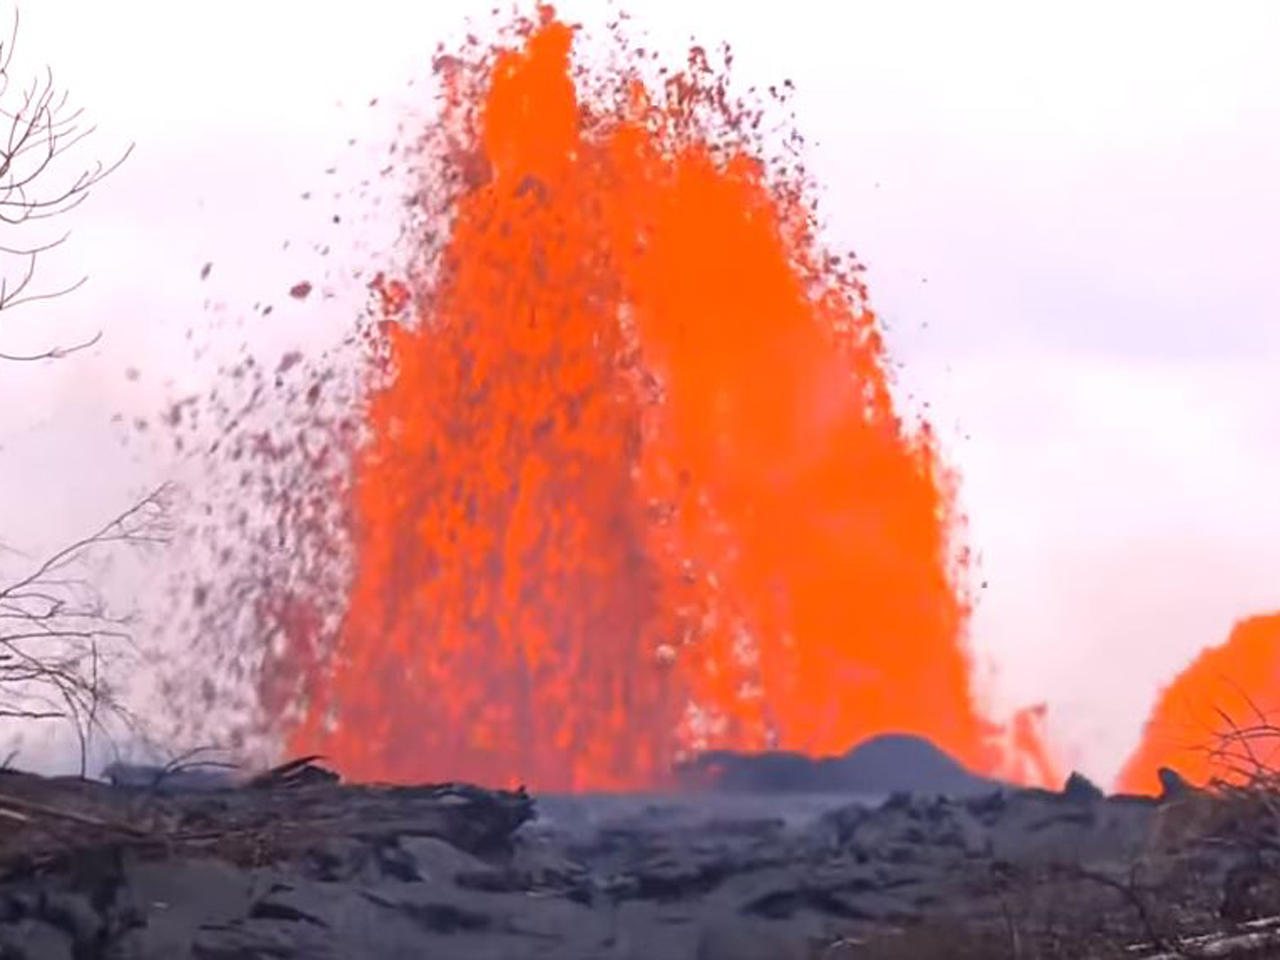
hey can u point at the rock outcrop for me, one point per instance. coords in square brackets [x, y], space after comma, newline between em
[884, 764]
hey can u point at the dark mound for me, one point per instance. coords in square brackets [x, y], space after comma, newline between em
[889, 763]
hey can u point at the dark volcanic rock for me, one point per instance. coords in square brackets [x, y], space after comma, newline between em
[897, 762]
[1081, 789]
[166, 780]
[292, 869]
[1173, 786]
[884, 764]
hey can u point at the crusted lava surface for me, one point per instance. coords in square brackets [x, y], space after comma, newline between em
[296, 864]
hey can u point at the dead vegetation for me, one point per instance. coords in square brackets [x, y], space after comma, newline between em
[58, 633]
[1207, 887]
[1066, 919]
[38, 130]
[59, 636]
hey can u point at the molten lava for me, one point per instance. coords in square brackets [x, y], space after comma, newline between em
[634, 482]
[1201, 723]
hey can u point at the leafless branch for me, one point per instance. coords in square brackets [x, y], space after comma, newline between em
[57, 635]
[55, 353]
[1138, 898]
[37, 130]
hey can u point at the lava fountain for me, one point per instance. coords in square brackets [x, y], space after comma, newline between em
[634, 483]
[1214, 721]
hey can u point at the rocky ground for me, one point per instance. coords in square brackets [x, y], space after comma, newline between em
[299, 866]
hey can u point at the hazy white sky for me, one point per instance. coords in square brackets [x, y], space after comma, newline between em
[1069, 212]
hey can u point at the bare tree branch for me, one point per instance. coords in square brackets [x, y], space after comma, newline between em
[57, 635]
[37, 130]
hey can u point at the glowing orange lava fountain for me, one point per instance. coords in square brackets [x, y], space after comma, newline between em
[636, 484]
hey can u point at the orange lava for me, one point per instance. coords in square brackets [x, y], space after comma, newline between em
[636, 484]
[1233, 685]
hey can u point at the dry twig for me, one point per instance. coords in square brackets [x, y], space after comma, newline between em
[57, 634]
[38, 127]
[1137, 898]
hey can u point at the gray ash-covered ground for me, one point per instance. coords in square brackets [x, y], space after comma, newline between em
[299, 866]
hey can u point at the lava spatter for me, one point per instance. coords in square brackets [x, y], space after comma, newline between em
[629, 479]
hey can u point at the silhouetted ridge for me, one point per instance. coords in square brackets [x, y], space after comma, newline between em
[887, 763]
